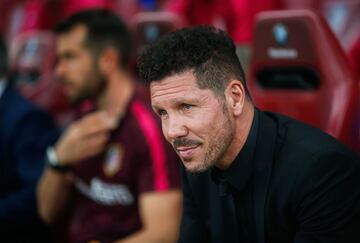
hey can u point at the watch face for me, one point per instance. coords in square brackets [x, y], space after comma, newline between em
[51, 156]
[52, 161]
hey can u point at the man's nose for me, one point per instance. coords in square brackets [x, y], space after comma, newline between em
[59, 69]
[175, 128]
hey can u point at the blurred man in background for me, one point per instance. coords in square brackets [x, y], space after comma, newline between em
[25, 131]
[110, 172]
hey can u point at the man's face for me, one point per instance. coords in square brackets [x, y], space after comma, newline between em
[76, 67]
[195, 121]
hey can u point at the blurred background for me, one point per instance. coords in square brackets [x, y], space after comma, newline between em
[302, 58]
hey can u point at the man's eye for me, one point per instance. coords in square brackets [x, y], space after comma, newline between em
[68, 56]
[187, 106]
[162, 112]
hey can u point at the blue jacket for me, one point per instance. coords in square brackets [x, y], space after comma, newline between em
[25, 132]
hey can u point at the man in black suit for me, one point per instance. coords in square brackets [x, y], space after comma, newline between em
[25, 132]
[248, 175]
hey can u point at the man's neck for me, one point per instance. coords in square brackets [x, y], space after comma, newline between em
[242, 130]
[117, 95]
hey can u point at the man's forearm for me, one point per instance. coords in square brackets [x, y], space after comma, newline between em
[53, 192]
[160, 213]
[151, 236]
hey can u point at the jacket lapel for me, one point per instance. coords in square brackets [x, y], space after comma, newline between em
[264, 158]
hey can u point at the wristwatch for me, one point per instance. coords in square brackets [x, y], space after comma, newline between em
[51, 160]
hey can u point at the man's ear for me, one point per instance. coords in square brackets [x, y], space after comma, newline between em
[235, 97]
[108, 60]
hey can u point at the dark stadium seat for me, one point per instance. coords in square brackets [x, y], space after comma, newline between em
[299, 69]
[32, 61]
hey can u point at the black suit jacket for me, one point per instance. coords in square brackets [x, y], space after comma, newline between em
[305, 184]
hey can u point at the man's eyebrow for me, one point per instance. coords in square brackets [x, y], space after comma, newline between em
[155, 107]
[177, 101]
[185, 100]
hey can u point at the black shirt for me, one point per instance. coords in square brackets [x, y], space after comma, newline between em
[235, 182]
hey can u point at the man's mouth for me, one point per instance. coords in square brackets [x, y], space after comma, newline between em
[66, 87]
[186, 151]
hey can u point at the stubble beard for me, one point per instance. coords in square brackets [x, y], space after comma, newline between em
[93, 86]
[218, 145]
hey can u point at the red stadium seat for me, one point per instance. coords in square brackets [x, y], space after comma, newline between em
[32, 60]
[149, 26]
[299, 69]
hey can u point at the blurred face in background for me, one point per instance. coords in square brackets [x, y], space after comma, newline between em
[77, 67]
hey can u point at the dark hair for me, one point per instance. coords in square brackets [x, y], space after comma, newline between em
[207, 51]
[104, 29]
[3, 57]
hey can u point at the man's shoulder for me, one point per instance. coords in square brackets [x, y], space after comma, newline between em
[142, 117]
[16, 103]
[17, 109]
[296, 137]
[303, 151]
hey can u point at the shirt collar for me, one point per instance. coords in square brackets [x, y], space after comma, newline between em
[2, 86]
[240, 171]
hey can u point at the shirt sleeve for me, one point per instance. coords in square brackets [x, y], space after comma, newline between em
[158, 169]
[328, 208]
[158, 173]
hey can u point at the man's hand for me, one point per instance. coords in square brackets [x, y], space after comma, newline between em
[84, 138]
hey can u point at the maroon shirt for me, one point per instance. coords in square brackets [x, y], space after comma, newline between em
[107, 187]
